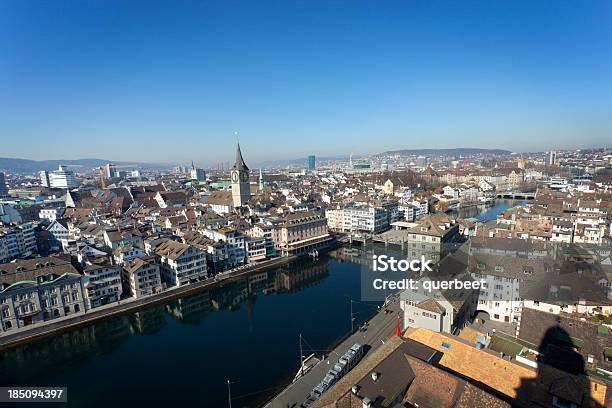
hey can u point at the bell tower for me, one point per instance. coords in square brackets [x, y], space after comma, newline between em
[241, 190]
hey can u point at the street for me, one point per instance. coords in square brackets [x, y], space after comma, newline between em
[381, 326]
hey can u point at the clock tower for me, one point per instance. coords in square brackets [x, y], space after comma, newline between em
[241, 190]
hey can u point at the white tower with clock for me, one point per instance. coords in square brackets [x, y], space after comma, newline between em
[241, 190]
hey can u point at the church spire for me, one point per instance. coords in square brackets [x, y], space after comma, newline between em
[239, 164]
[261, 181]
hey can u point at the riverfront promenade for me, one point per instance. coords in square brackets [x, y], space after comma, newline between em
[52, 327]
[381, 326]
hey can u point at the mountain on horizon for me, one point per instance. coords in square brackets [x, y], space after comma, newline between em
[15, 165]
[460, 151]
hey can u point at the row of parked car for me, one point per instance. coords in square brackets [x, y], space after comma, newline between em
[343, 366]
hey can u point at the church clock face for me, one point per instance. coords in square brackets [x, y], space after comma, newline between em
[234, 176]
[244, 176]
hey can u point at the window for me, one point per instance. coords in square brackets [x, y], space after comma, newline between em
[430, 315]
[499, 268]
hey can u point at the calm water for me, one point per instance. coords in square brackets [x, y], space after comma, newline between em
[484, 213]
[183, 352]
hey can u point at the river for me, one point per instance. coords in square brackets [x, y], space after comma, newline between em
[182, 353]
[487, 213]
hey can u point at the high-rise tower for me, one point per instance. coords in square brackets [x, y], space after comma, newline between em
[241, 190]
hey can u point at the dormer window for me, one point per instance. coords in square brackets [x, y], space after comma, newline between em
[499, 268]
[527, 270]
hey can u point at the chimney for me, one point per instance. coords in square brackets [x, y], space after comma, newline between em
[355, 389]
[374, 376]
[367, 403]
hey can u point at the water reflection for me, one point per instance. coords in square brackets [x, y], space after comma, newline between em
[64, 351]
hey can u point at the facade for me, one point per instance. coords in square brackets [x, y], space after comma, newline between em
[102, 283]
[261, 230]
[412, 210]
[50, 214]
[234, 241]
[301, 232]
[58, 234]
[38, 290]
[197, 174]
[312, 162]
[127, 252]
[3, 188]
[44, 178]
[551, 158]
[18, 241]
[255, 249]
[181, 264]
[221, 202]
[433, 237]
[440, 311]
[62, 178]
[241, 189]
[141, 277]
[356, 217]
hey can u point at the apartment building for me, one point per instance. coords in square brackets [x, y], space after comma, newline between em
[357, 217]
[102, 282]
[235, 241]
[141, 277]
[17, 241]
[301, 232]
[434, 237]
[37, 290]
[181, 263]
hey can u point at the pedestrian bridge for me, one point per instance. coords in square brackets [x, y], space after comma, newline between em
[517, 195]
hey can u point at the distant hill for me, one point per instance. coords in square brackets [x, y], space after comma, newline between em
[296, 162]
[30, 166]
[462, 151]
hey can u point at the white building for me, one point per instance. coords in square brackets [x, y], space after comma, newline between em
[181, 264]
[236, 246]
[255, 249]
[504, 276]
[62, 178]
[357, 218]
[102, 283]
[17, 241]
[142, 277]
[50, 214]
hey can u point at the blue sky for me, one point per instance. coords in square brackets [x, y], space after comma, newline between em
[173, 80]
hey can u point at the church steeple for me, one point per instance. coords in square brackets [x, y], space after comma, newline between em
[241, 190]
[239, 164]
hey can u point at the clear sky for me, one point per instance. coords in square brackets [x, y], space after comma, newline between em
[173, 80]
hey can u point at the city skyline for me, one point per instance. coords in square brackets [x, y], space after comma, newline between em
[223, 163]
[362, 79]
